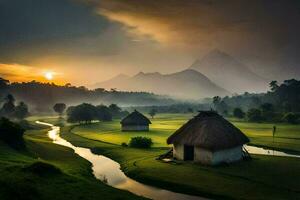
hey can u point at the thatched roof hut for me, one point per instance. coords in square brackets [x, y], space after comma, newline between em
[210, 138]
[135, 121]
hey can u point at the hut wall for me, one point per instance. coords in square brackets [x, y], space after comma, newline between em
[227, 155]
[178, 151]
[135, 128]
[203, 156]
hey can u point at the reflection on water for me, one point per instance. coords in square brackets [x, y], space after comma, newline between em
[263, 151]
[109, 171]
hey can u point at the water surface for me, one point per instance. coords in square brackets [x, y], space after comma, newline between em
[269, 152]
[109, 171]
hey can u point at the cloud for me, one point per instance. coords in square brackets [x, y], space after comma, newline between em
[233, 25]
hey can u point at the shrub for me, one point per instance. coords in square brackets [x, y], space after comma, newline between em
[124, 144]
[42, 169]
[11, 133]
[140, 142]
[291, 118]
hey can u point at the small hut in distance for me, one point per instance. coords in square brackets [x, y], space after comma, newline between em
[209, 139]
[135, 121]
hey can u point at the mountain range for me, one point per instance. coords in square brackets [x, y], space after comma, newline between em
[217, 73]
[186, 84]
[229, 73]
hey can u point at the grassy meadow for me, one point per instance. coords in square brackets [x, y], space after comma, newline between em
[48, 171]
[264, 177]
[287, 136]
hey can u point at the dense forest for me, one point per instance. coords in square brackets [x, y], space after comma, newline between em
[41, 97]
[281, 103]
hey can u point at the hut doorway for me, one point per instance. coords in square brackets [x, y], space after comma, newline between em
[188, 152]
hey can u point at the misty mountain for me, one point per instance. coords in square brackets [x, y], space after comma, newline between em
[229, 73]
[42, 96]
[187, 84]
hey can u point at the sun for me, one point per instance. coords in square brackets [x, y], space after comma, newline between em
[49, 76]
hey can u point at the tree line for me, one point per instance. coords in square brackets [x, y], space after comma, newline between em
[42, 96]
[280, 104]
[10, 110]
[86, 113]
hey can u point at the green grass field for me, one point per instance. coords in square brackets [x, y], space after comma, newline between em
[264, 177]
[287, 136]
[72, 178]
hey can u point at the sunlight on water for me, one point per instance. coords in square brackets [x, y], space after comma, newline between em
[263, 151]
[110, 172]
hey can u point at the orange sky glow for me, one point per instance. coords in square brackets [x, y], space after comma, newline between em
[23, 73]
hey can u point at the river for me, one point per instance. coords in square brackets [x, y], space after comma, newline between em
[109, 171]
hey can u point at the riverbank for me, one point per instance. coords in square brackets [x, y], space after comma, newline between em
[264, 177]
[49, 171]
[109, 172]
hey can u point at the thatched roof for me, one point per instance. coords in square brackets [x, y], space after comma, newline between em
[135, 118]
[209, 130]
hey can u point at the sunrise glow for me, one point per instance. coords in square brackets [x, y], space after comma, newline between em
[49, 75]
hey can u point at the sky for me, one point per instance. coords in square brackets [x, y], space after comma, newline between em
[89, 41]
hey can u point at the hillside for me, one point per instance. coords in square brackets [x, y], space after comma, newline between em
[187, 84]
[229, 73]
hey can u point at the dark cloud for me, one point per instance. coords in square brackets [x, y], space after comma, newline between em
[45, 26]
[150, 35]
[256, 31]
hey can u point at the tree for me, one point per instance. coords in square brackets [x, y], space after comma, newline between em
[82, 113]
[8, 108]
[59, 108]
[216, 101]
[267, 110]
[115, 110]
[21, 111]
[254, 115]
[190, 110]
[152, 113]
[103, 113]
[267, 107]
[291, 118]
[238, 113]
[11, 134]
[273, 85]
[4, 84]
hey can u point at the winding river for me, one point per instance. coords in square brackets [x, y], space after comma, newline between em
[110, 171]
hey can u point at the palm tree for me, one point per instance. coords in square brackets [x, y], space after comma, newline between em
[273, 85]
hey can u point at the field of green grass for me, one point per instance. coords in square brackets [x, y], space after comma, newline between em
[24, 176]
[263, 177]
[287, 136]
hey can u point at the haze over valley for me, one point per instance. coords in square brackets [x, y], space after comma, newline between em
[217, 73]
[149, 99]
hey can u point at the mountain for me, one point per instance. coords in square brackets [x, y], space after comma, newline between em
[187, 84]
[229, 73]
